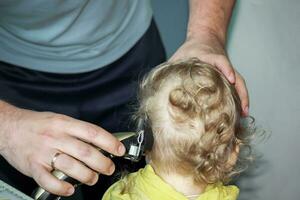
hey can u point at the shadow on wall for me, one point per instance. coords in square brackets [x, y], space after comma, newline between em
[171, 19]
[246, 181]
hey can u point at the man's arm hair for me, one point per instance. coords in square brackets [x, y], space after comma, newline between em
[210, 16]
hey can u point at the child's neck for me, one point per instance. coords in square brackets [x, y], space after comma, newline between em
[182, 184]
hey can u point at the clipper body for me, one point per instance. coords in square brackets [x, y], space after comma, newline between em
[134, 144]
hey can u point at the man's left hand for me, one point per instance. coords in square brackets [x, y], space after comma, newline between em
[208, 48]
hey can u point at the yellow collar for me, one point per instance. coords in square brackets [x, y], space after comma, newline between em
[145, 184]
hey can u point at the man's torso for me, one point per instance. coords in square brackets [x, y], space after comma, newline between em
[70, 36]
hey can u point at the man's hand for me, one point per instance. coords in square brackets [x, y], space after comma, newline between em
[209, 49]
[206, 38]
[29, 140]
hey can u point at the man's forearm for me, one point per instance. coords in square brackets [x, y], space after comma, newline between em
[4, 111]
[210, 16]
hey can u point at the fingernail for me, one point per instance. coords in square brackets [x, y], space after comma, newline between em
[231, 78]
[121, 150]
[111, 169]
[246, 110]
[95, 180]
[71, 190]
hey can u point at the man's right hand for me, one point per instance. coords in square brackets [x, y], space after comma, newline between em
[29, 140]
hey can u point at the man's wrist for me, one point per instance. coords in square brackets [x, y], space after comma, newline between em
[205, 33]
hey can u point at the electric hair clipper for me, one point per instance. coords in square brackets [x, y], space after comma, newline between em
[136, 143]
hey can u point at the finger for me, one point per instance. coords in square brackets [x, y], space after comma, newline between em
[51, 184]
[75, 169]
[242, 91]
[87, 154]
[93, 134]
[224, 65]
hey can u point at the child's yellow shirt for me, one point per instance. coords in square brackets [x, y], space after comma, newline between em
[146, 185]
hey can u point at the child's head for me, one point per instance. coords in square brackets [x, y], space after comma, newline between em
[194, 113]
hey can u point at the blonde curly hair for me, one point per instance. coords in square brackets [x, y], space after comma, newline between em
[194, 114]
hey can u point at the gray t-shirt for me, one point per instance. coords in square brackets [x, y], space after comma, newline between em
[70, 36]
